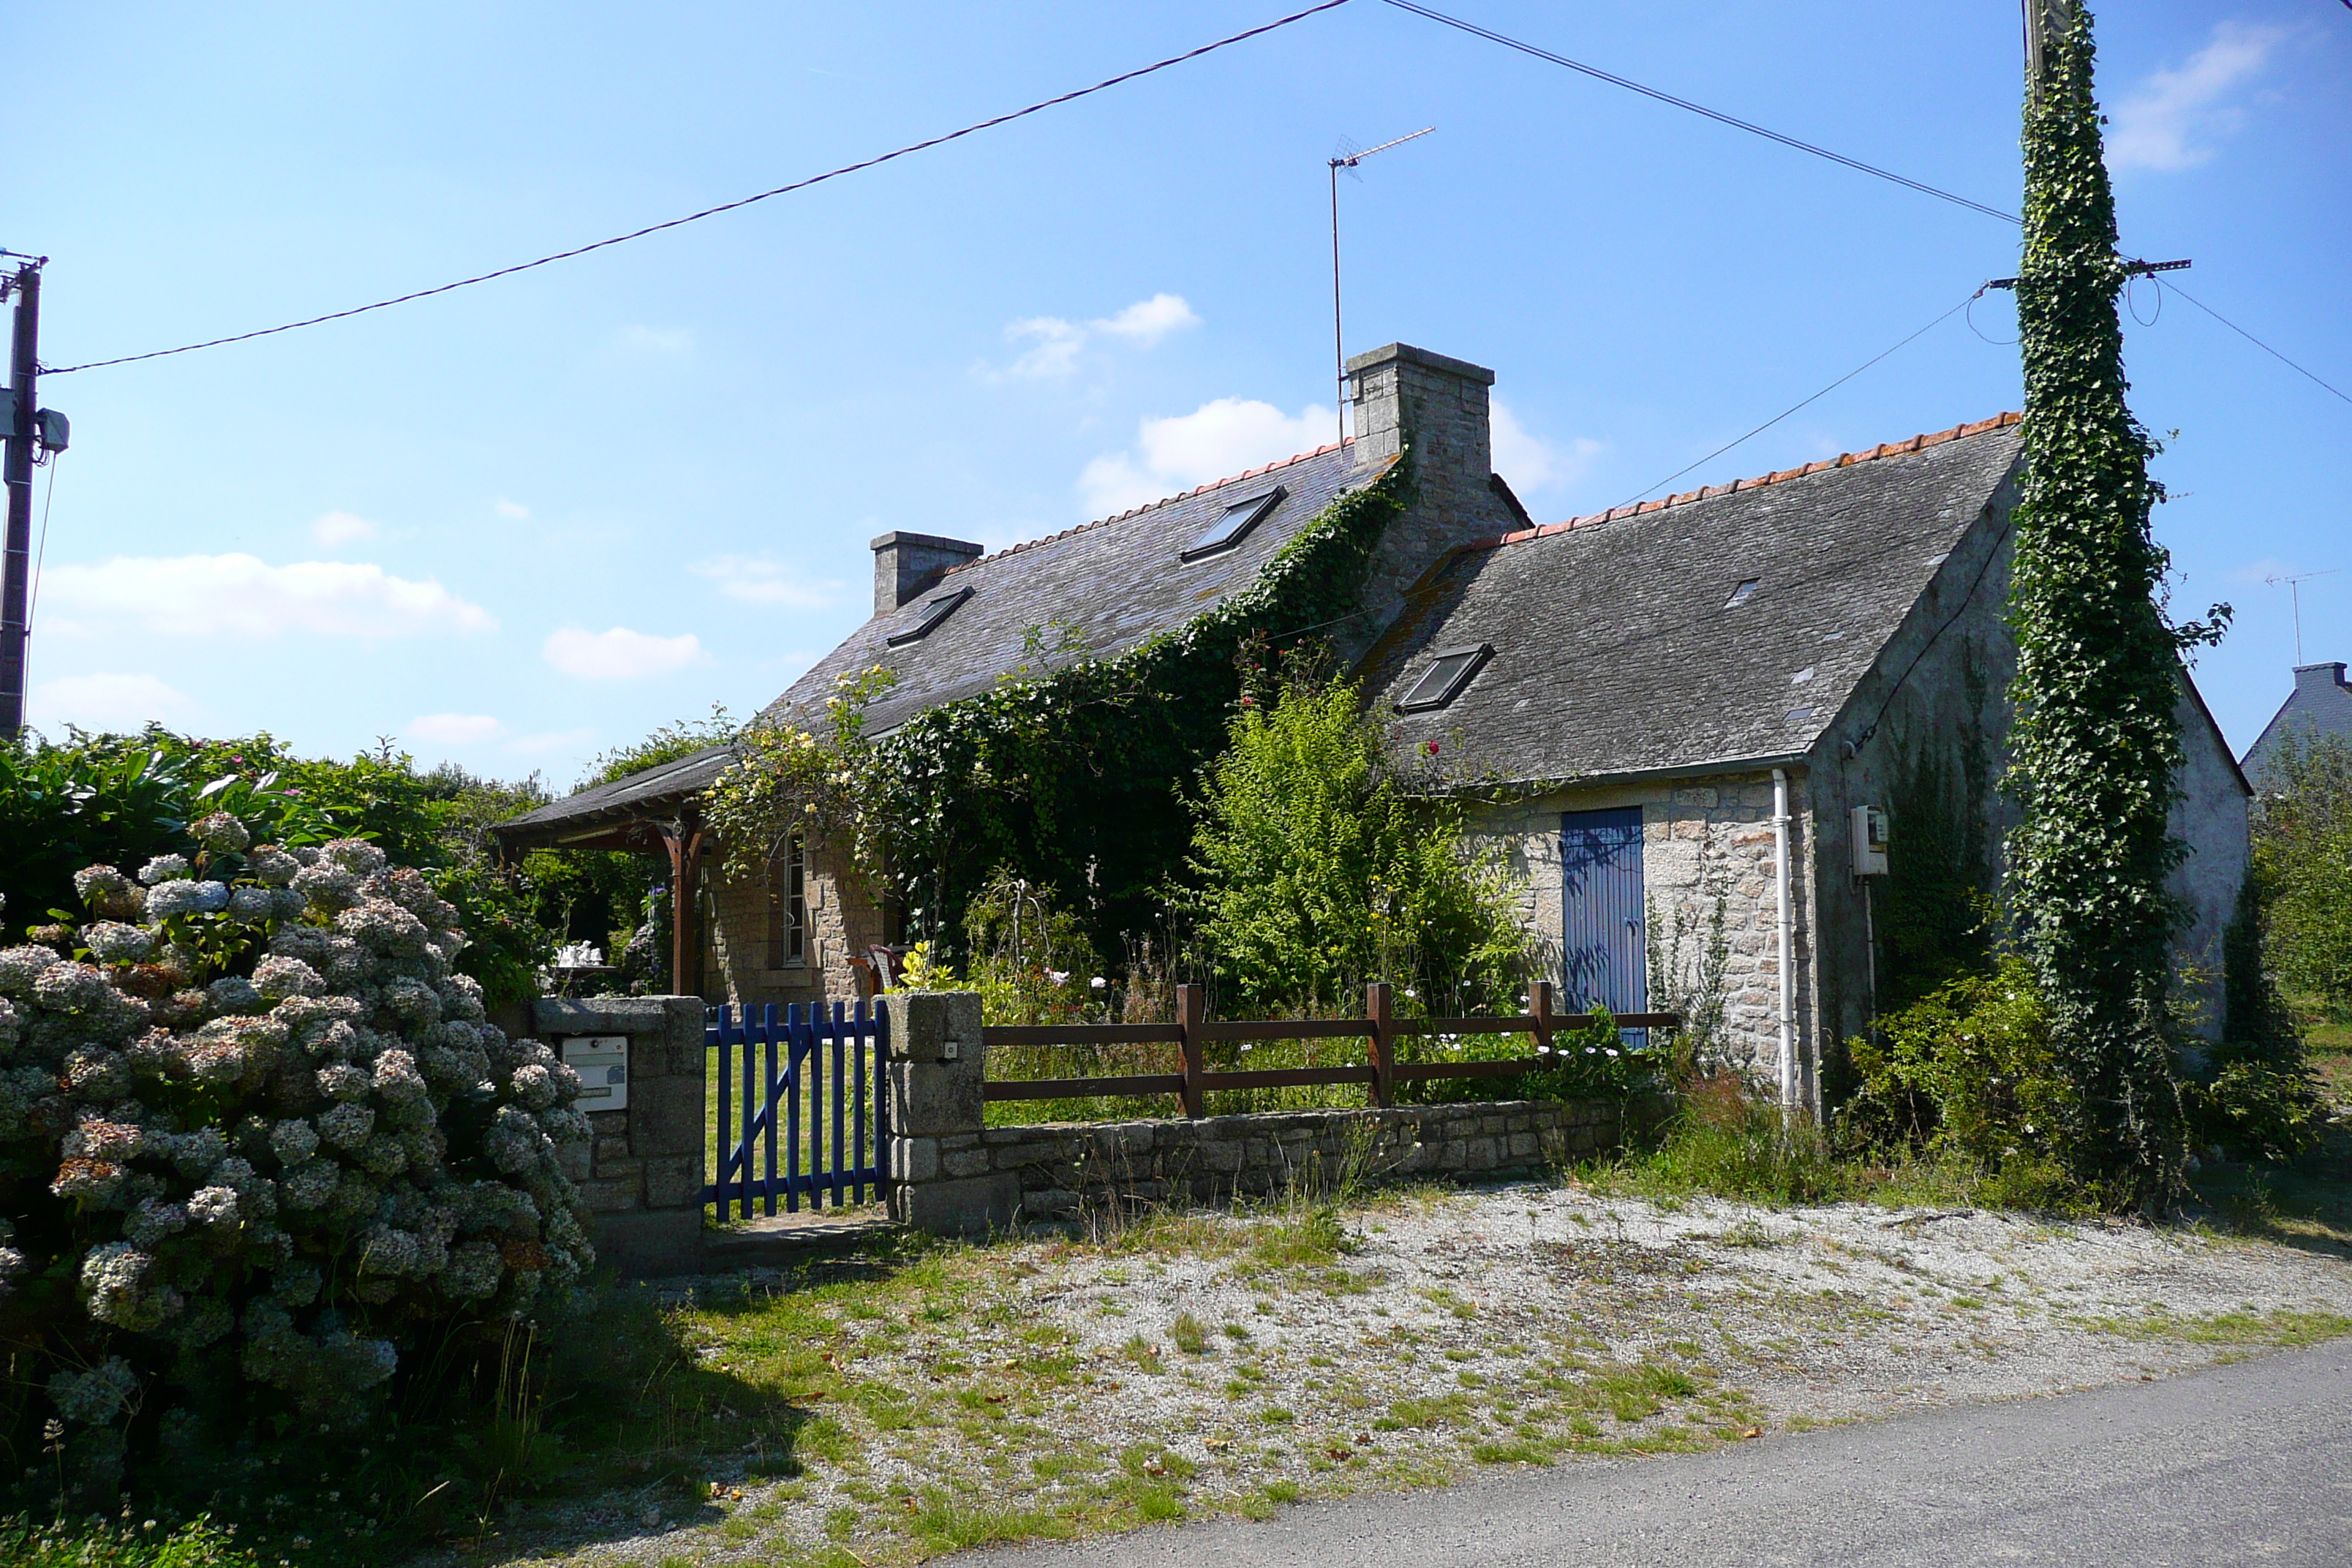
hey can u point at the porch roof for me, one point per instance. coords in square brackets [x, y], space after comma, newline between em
[615, 816]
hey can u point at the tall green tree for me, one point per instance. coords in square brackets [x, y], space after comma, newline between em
[2095, 750]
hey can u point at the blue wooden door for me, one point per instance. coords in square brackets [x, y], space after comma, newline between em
[1604, 957]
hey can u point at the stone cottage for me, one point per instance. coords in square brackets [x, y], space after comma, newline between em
[1721, 735]
[2320, 706]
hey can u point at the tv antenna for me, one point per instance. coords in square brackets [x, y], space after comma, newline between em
[2294, 584]
[1347, 156]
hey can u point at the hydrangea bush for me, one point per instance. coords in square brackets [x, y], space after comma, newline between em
[256, 1133]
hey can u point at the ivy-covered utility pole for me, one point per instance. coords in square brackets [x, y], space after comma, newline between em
[2094, 748]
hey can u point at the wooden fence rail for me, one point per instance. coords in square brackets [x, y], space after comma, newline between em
[1380, 1026]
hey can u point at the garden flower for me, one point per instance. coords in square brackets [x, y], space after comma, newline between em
[94, 1397]
[272, 866]
[252, 905]
[165, 869]
[220, 832]
[19, 966]
[278, 977]
[114, 942]
[104, 890]
[118, 1288]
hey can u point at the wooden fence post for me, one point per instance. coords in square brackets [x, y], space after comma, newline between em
[1379, 1012]
[1539, 1005]
[1192, 1004]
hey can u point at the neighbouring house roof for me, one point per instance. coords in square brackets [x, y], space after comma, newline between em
[610, 809]
[1105, 586]
[2320, 705]
[1616, 648]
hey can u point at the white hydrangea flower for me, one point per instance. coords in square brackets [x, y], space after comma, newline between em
[115, 943]
[153, 1220]
[251, 905]
[347, 1126]
[233, 994]
[383, 926]
[213, 1205]
[118, 1288]
[278, 977]
[327, 887]
[397, 1079]
[309, 1184]
[21, 966]
[341, 1080]
[183, 897]
[220, 832]
[357, 856]
[272, 866]
[293, 1141]
[106, 892]
[94, 1397]
[165, 869]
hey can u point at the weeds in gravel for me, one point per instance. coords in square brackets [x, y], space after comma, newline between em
[2280, 1330]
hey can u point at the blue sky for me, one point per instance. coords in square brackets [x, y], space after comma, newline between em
[531, 519]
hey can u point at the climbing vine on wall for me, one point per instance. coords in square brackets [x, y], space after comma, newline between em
[1071, 772]
[2095, 746]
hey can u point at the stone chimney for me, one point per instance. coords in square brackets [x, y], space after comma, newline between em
[2319, 677]
[907, 564]
[1404, 398]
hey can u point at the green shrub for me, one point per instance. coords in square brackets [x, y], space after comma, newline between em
[1965, 1072]
[2303, 860]
[1318, 871]
[101, 1544]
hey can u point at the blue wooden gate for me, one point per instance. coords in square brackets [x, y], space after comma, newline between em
[1604, 956]
[786, 1078]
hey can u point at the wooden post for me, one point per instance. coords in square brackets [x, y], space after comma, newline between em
[1380, 1011]
[1539, 1005]
[1191, 1005]
[685, 845]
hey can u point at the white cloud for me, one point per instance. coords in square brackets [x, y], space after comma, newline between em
[2173, 122]
[455, 728]
[201, 595]
[104, 701]
[1217, 439]
[513, 509]
[342, 528]
[619, 654]
[1146, 321]
[1529, 462]
[1143, 323]
[763, 580]
[649, 340]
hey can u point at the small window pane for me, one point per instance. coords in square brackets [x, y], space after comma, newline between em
[1739, 594]
[938, 610]
[1237, 520]
[790, 936]
[1447, 674]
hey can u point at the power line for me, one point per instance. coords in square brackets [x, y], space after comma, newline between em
[1816, 397]
[725, 206]
[1715, 114]
[2253, 340]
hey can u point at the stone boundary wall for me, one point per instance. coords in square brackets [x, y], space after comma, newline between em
[641, 1171]
[952, 1175]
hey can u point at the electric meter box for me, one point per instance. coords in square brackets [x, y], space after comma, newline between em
[1870, 840]
[603, 1063]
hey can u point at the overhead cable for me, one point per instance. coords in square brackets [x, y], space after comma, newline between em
[1716, 115]
[726, 206]
[2253, 340]
[1816, 397]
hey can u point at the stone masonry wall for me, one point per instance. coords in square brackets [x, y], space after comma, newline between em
[1702, 841]
[641, 1171]
[844, 919]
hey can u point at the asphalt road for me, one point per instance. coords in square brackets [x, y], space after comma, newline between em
[2248, 1463]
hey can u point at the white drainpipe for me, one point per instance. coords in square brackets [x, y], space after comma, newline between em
[1788, 1084]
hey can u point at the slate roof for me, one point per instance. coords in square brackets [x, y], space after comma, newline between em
[2320, 704]
[1614, 652]
[640, 795]
[1114, 582]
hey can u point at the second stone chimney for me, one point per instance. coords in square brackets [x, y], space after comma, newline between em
[908, 565]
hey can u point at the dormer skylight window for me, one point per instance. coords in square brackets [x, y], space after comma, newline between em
[1739, 594]
[938, 610]
[1236, 521]
[1449, 671]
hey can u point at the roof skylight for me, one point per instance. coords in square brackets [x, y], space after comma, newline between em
[1739, 594]
[938, 610]
[1450, 669]
[1226, 531]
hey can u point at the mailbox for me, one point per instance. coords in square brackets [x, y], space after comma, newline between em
[603, 1063]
